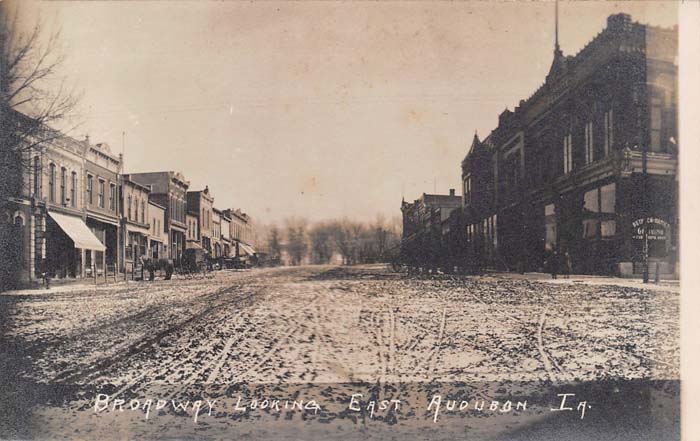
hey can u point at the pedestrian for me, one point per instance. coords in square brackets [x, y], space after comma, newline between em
[554, 264]
[567, 264]
[45, 273]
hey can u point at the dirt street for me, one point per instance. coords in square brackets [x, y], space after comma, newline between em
[314, 338]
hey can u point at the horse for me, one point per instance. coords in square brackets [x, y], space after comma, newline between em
[152, 265]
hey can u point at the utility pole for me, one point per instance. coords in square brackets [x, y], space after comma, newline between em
[645, 201]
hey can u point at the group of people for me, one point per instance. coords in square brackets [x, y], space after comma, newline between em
[559, 263]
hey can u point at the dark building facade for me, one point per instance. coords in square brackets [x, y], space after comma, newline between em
[423, 221]
[586, 165]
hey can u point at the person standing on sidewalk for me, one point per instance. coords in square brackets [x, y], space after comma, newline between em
[567, 264]
[554, 264]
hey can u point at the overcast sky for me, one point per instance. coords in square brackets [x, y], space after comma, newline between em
[310, 109]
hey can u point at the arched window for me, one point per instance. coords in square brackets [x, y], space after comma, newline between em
[37, 177]
[73, 186]
[63, 186]
[52, 182]
[136, 210]
[128, 214]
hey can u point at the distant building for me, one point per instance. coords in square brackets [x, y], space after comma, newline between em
[200, 204]
[193, 231]
[158, 236]
[422, 226]
[226, 234]
[217, 245]
[135, 219]
[242, 234]
[169, 190]
[102, 169]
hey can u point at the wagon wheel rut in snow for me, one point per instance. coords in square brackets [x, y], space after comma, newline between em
[83, 373]
[127, 321]
[279, 341]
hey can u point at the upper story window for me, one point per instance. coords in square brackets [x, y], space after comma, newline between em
[101, 193]
[136, 210]
[588, 141]
[63, 186]
[52, 182]
[73, 187]
[112, 197]
[568, 156]
[608, 132]
[37, 177]
[467, 190]
[143, 212]
[655, 123]
[128, 205]
[89, 189]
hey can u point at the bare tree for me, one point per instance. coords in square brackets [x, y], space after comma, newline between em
[273, 243]
[297, 245]
[33, 98]
[320, 238]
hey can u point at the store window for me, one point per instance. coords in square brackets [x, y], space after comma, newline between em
[550, 226]
[599, 213]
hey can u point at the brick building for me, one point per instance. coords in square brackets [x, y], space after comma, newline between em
[587, 164]
[423, 227]
[169, 190]
[135, 219]
[200, 204]
[102, 170]
[43, 223]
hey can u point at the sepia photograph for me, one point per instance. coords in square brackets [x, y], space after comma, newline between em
[344, 220]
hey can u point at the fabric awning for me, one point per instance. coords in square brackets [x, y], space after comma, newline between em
[247, 248]
[79, 233]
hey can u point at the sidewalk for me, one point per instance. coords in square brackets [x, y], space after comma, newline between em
[663, 285]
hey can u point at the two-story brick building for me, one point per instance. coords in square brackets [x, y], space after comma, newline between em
[102, 170]
[136, 218]
[44, 220]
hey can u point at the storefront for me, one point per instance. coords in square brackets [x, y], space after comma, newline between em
[72, 250]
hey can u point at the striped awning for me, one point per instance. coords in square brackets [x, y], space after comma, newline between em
[79, 233]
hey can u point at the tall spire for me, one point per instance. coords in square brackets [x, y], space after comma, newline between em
[559, 61]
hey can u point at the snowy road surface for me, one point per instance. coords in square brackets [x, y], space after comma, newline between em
[314, 333]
